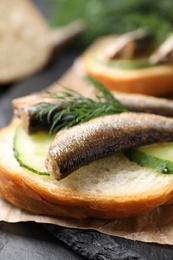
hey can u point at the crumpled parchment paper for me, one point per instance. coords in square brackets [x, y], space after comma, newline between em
[156, 226]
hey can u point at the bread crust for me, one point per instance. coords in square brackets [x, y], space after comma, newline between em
[148, 81]
[43, 195]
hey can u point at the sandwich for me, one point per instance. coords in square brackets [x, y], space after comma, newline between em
[133, 62]
[69, 155]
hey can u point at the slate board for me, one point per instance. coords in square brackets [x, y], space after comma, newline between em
[94, 245]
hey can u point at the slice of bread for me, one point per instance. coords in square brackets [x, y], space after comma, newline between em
[24, 46]
[109, 188]
[27, 42]
[156, 80]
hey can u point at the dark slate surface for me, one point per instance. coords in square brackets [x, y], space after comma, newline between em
[94, 245]
[23, 241]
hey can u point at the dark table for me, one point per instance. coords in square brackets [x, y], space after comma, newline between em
[37, 241]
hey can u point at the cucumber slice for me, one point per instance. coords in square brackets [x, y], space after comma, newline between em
[157, 156]
[31, 150]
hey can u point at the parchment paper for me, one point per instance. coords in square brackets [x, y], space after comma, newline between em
[156, 226]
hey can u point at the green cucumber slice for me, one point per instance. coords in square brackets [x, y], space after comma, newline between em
[157, 156]
[31, 150]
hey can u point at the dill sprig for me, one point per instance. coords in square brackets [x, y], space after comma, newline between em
[70, 108]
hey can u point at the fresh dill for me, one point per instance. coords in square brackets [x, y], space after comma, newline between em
[70, 108]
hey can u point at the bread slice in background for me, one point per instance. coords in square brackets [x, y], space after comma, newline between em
[156, 81]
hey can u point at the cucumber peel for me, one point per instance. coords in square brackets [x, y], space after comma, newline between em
[158, 157]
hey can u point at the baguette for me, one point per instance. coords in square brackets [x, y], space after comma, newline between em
[110, 188]
[156, 80]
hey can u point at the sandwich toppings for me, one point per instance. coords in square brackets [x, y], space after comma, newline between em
[130, 45]
[147, 104]
[57, 110]
[164, 54]
[66, 109]
[129, 51]
[93, 129]
[104, 136]
[139, 46]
